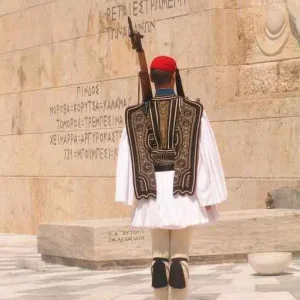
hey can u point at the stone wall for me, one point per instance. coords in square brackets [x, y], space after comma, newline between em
[67, 72]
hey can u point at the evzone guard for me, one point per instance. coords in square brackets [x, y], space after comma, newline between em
[169, 167]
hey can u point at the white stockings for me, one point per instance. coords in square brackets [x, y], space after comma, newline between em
[170, 252]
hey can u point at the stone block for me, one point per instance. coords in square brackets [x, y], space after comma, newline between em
[92, 59]
[20, 29]
[7, 7]
[251, 193]
[249, 231]
[95, 242]
[10, 120]
[31, 3]
[31, 264]
[286, 198]
[71, 21]
[64, 66]
[199, 39]
[37, 71]
[226, 36]
[16, 210]
[113, 242]
[260, 109]
[251, 3]
[261, 81]
[216, 86]
[198, 85]
[27, 202]
[10, 73]
[247, 153]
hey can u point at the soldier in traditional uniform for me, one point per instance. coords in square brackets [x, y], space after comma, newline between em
[169, 168]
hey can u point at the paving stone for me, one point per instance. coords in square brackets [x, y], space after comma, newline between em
[204, 297]
[225, 268]
[32, 264]
[207, 282]
[257, 296]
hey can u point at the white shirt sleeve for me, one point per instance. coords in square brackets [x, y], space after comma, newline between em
[211, 186]
[124, 181]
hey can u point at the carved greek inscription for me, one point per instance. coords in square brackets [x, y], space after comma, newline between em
[89, 127]
[143, 9]
[125, 236]
[135, 8]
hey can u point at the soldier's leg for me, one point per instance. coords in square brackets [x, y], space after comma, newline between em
[179, 269]
[160, 264]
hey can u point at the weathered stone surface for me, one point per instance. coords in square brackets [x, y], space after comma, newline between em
[95, 57]
[248, 153]
[114, 240]
[286, 198]
[8, 7]
[250, 193]
[20, 28]
[10, 73]
[78, 20]
[27, 202]
[31, 264]
[278, 78]
[16, 211]
[248, 232]
[203, 42]
[250, 110]
[10, 121]
[226, 37]
[87, 17]
[104, 240]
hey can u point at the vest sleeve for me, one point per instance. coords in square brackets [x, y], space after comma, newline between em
[211, 187]
[124, 191]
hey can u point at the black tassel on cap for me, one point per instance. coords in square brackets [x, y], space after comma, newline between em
[177, 279]
[179, 86]
[159, 273]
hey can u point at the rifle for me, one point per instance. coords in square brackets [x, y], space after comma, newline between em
[136, 41]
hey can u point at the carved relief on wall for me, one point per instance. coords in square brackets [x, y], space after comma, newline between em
[276, 29]
[279, 17]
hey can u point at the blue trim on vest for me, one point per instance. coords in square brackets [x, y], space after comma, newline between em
[165, 92]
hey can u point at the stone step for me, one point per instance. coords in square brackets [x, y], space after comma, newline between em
[110, 243]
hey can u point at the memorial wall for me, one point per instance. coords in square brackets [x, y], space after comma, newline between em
[67, 73]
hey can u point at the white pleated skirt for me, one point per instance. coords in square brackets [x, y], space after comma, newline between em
[168, 211]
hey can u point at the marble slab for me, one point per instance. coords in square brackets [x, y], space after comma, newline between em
[113, 242]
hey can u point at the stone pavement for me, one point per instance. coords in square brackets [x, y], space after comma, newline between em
[207, 282]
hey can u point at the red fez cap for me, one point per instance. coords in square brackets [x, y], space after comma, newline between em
[164, 63]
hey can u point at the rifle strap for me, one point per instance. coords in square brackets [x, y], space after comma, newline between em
[139, 87]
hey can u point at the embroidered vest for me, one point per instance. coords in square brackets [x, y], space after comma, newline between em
[163, 135]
